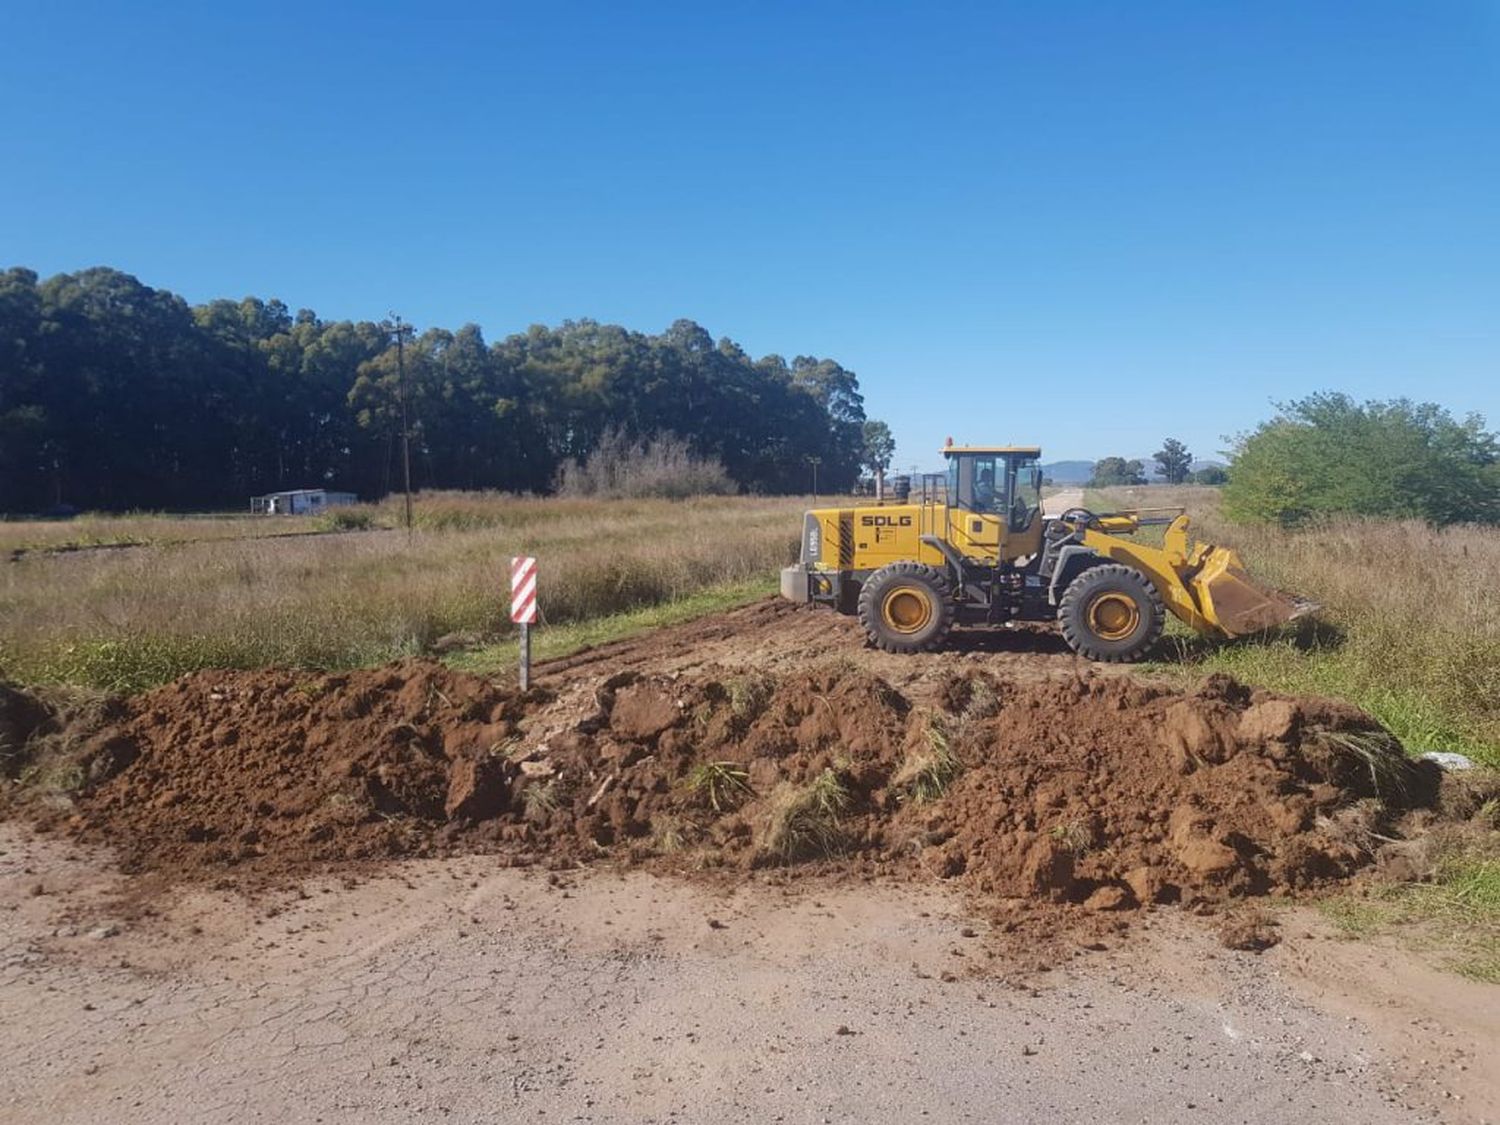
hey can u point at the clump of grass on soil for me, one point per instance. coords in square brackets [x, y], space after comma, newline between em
[802, 821]
[1381, 756]
[671, 834]
[540, 799]
[930, 768]
[44, 739]
[1071, 836]
[719, 785]
[749, 694]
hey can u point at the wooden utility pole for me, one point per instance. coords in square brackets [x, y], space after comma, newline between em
[402, 331]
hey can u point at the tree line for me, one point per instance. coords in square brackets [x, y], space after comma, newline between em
[115, 395]
[1174, 465]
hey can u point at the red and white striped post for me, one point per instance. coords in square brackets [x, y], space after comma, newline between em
[523, 608]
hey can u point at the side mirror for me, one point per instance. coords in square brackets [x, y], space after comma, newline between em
[1036, 478]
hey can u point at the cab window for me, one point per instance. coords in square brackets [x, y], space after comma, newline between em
[977, 483]
[1025, 492]
[989, 486]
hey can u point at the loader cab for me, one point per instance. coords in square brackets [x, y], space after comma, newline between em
[994, 500]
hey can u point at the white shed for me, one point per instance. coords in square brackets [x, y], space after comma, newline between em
[300, 502]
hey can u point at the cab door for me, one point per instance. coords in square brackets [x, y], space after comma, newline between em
[975, 487]
[1023, 521]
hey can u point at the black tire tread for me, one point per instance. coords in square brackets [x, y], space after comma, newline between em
[869, 614]
[1080, 641]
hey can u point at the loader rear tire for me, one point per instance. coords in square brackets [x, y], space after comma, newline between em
[906, 607]
[1111, 613]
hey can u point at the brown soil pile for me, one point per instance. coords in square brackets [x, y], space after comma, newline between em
[1101, 791]
[22, 717]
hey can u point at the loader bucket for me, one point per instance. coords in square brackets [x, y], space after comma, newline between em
[1235, 604]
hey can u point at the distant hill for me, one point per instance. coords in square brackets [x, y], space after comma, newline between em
[1068, 472]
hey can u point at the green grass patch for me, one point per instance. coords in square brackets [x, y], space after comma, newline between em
[1455, 915]
[553, 641]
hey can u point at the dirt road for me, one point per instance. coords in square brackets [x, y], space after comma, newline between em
[455, 990]
[1059, 503]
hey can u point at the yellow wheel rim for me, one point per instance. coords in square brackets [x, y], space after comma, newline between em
[1113, 617]
[906, 610]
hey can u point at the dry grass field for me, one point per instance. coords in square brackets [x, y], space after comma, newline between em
[106, 530]
[236, 593]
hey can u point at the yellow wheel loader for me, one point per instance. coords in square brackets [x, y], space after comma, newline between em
[975, 548]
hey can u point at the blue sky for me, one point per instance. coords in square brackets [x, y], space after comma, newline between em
[1087, 225]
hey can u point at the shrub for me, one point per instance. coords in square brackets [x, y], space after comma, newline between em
[1327, 455]
[665, 466]
[346, 519]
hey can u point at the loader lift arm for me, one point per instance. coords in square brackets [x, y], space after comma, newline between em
[1205, 586]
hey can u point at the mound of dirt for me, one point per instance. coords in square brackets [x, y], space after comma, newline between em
[22, 716]
[1101, 793]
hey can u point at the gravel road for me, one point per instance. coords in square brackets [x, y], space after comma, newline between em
[457, 990]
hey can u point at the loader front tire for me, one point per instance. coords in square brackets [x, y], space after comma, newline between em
[1111, 613]
[906, 607]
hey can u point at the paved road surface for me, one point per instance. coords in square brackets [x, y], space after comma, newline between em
[460, 991]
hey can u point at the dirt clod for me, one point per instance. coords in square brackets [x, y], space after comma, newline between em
[1250, 930]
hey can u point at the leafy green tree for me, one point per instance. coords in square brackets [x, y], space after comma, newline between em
[1328, 454]
[1210, 474]
[1111, 472]
[879, 448]
[1173, 461]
